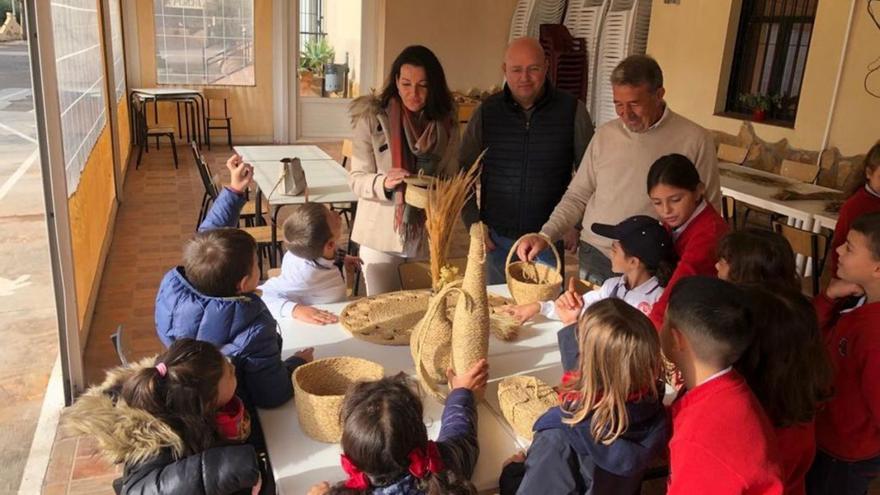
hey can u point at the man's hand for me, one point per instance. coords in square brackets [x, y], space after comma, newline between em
[530, 246]
[838, 289]
[241, 174]
[570, 240]
[394, 177]
[474, 379]
[487, 239]
[569, 304]
[311, 314]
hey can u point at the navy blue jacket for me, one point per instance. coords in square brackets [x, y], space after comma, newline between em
[457, 443]
[240, 325]
[564, 459]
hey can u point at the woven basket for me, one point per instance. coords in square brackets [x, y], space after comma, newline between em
[523, 399]
[386, 319]
[470, 323]
[431, 342]
[319, 389]
[529, 281]
[416, 192]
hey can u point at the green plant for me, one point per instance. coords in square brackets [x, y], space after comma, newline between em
[316, 53]
[760, 102]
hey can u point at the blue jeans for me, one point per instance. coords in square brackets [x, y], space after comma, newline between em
[498, 258]
[594, 266]
[831, 476]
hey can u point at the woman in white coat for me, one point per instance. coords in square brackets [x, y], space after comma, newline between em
[410, 128]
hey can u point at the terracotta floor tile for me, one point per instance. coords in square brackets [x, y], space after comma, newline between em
[61, 461]
[92, 466]
[93, 486]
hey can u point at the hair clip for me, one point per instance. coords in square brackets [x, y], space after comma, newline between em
[162, 369]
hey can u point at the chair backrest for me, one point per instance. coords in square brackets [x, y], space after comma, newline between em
[465, 111]
[583, 286]
[732, 154]
[807, 244]
[803, 172]
[205, 175]
[347, 152]
[417, 274]
[728, 210]
[215, 101]
[120, 344]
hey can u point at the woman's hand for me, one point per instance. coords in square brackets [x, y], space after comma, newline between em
[394, 177]
[474, 379]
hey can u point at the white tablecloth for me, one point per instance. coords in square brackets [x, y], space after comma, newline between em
[299, 462]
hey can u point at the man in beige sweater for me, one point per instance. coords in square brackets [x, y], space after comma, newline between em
[610, 184]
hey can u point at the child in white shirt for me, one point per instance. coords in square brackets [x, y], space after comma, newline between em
[309, 273]
[643, 252]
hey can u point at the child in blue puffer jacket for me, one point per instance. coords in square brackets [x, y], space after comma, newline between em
[211, 298]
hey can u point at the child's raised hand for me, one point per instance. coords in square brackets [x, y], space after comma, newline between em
[319, 489]
[522, 312]
[307, 354]
[569, 304]
[838, 288]
[241, 173]
[473, 379]
[313, 315]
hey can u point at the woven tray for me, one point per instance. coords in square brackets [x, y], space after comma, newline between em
[754, 178]
[523, 399]
[388, 319]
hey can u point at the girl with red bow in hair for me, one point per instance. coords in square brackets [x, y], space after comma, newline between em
[385, 444]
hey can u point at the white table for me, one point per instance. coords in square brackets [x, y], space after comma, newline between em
[299, 462]
[326, 179]
[179, 95]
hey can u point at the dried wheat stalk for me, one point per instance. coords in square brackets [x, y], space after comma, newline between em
[446, 198]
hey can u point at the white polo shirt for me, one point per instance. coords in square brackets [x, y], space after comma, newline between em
[302, 281]
[642, 297]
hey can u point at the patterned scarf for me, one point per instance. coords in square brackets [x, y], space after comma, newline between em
[417, 145]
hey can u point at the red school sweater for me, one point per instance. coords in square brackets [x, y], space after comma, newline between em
[797, 449]
[722, 442]
[697, 249]
[848, 427]
[857, 205]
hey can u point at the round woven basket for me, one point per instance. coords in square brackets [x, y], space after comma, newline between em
[386, 319]
[529, 281]
[319, 389]
[523, 399]
[416, 193]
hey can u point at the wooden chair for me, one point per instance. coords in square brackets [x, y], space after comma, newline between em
[144, 131]
[728, 211]
[217, 115]
[810, 245]
[417, 274]
[583, 286]
[803, 172]
[120, 345]
[732, 154]
[347, 210]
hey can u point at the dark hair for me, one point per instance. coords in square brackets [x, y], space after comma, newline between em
[758, 256]
[185, 398]
[383, 423]
[674, 170]
[663, 270]
[307, 230]
[439, 104]
[869, 165]
[711, 313]
[215, 261]
[869, 225]
[636, 70]
[786, 365]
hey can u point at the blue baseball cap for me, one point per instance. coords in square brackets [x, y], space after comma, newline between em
[640, 236]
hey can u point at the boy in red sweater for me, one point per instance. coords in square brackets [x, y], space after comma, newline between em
[863, 197]
[722, 442]
[848, 429]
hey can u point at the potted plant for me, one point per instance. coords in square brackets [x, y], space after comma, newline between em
[760, 105]
[315, 53]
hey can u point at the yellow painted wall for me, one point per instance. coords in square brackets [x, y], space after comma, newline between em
[249, 106]
[693, 42]
[468, 36]
[90, 208]
[124, 128]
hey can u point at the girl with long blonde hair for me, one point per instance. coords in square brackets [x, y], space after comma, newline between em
[611, 424]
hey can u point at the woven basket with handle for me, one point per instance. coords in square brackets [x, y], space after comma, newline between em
[319, 389]
[530, 281]
[523, 399]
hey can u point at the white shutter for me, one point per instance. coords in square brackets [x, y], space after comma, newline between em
[583, 18]
[530, 14]
[519, 24]
[624, 33]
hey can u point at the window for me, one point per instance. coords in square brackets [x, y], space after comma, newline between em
[311, 21]
[116, 45]
[205, 42]
[79, 63]
[770, 56]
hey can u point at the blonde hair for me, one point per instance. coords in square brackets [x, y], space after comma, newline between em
[619, 358]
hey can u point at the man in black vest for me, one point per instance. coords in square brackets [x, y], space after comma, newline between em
[536, 136]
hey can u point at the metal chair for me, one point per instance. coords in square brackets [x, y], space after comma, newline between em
[144, 132]
[214, 119]
[248, 211]
[120, 344]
